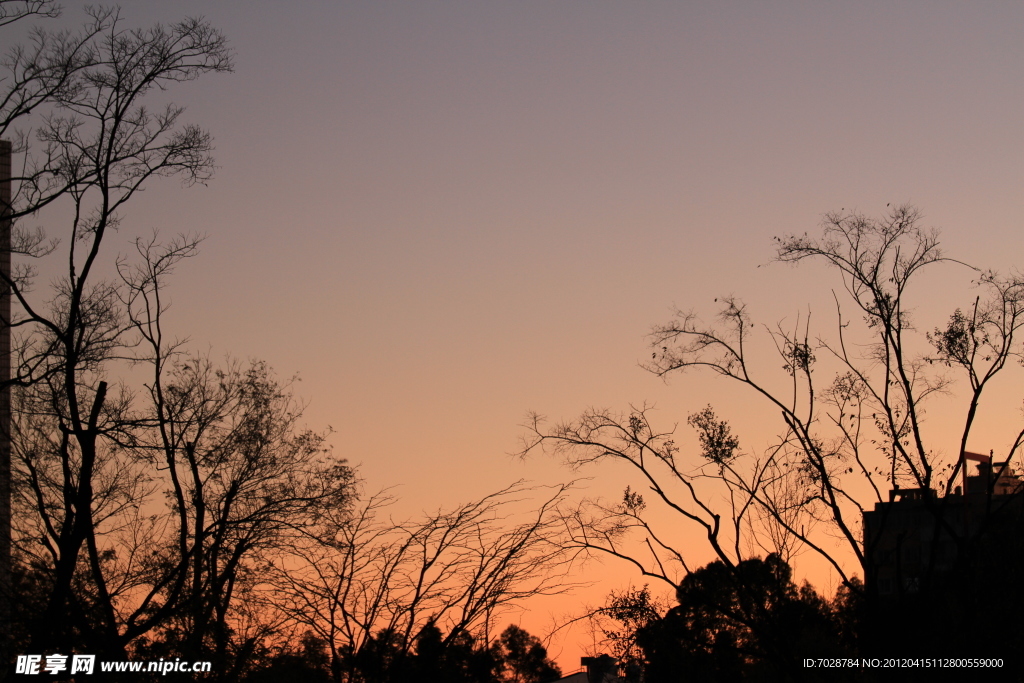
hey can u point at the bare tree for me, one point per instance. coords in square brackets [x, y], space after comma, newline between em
[15, 10]
[246, 485]
[74, 103]
[382, 579]
[39, 74]
[851, 407]
[244, 480]
[241, 483]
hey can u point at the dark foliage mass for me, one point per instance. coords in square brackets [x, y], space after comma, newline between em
[515, 657]
[747, 622]
[751, 622]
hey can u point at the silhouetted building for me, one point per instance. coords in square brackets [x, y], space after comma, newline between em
[944, 571]
[600, 669]
[919, 538]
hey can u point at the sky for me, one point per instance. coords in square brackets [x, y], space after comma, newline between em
[441, 216]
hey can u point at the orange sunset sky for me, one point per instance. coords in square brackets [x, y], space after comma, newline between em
[441, 215]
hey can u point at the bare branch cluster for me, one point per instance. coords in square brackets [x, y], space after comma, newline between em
[16, 10]
[457, 570]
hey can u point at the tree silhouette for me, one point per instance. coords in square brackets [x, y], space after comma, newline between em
[850, 406]
[378, 589]
[748, 622]
[523, 658]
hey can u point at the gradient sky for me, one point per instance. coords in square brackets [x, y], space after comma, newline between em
[442, 215]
